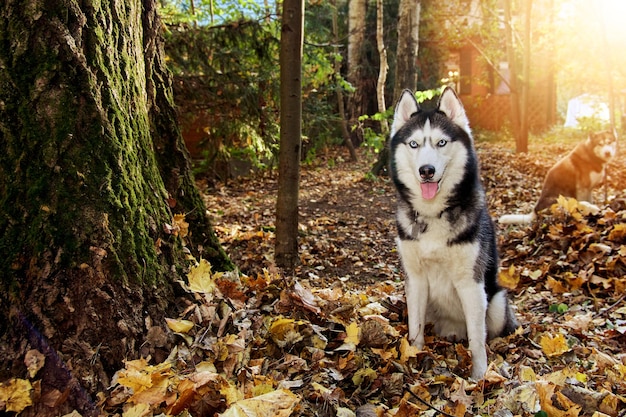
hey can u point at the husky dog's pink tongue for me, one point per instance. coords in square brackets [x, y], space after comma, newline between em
[429, 189]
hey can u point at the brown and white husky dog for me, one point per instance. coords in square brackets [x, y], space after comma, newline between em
[576, 175]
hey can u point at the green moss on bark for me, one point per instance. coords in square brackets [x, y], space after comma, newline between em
[77, 168]
[86, 185]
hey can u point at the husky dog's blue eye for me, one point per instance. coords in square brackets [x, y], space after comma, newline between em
[413, 144]
[442, 143]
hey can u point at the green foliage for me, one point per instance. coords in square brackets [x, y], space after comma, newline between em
[225, 87]
[374, 140]
[559, 308]
[224, 61]
[211, 12]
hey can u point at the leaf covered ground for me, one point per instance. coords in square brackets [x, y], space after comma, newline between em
[331, 339]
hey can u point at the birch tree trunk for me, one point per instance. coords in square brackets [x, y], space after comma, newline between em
[383, 158]
[92, 169]
[383, 69]
[286, 248]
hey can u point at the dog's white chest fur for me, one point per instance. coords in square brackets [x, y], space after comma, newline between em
[440, 273]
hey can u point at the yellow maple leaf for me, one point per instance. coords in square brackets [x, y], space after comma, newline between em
[201, 279]
[179, 326]
[285, 332]
[618, 233]
[386, 354]
[139, 376]
[353, 334]
[555, 286]
[353, 337]
[15, 395]
[554, 345]
[526, 374]
[279, 403]
[508, 278]
[569, 205]
[564, 407]
[407, 350]
[135, 380]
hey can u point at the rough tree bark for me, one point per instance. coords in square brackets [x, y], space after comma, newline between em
[514, 83]
[357, 11]
[522, 144]
[92, 169]
[345, 133]
[408, 43]
[286, 247]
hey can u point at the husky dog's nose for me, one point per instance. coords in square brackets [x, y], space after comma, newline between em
[427, 172]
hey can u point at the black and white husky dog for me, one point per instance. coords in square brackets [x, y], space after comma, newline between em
[446, 238]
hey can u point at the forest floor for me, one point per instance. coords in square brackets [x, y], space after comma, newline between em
[330, 339]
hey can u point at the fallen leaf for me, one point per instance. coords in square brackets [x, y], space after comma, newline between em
[179, 326]
[181, 225]
[554, 345]
[137, 410]
[34, 361]
[200, 277]
[407, 350]
[459, 395]
[366, 375]
[353, 337]
[278, 403]
[564, 407]
[508, 278]
[16, 395]
[284, 332]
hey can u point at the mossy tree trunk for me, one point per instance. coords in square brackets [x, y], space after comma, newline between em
[92, 169]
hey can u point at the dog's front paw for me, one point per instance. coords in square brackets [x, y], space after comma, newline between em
[417, 341]
[478, 372]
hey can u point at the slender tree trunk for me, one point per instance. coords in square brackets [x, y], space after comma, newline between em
[406, 63]
[551, 87]
[522, 145]
[345, 133]
[383, 158]
[383, 69]
[608, 62]
[513, 80]
[356, 36]
[408, 43]
[290, 134]
[92, 169]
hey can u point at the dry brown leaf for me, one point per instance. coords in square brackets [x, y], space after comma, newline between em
[34, 361]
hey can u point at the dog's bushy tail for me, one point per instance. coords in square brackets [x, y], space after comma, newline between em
[517, 218]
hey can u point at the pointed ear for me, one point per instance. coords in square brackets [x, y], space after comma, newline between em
[450, 104]
[407, 105]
